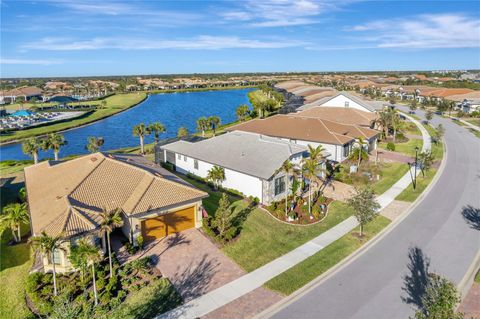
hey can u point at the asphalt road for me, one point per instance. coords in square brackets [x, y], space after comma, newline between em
[375, 285]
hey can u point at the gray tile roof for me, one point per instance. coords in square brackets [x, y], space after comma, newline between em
[249, 153]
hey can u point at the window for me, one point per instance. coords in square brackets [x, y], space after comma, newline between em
[179, 156]
[347, 104]
[195, 164]
[279, 185]
[184, 158]
[56, 257]
[346, 150]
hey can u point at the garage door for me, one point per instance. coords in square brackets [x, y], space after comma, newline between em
[165, 225]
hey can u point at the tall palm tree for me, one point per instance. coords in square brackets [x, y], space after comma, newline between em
[316, 153]
[31, 147]
[310, 171]
[214, 122]
[202, 125]
[13, 216]
[110, 220]
[48, 245]
[54, 141]
[141, 131]
[384, 121]
[216, 175]
[156, 128]
[287, 167]
[242, 112]
[359, 149]
[94, 144]
[93, 256]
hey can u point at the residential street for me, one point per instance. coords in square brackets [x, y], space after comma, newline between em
[380, 284]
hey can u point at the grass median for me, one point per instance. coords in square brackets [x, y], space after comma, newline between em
[312, 267]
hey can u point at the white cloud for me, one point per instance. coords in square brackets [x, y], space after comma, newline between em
[422, 31]
[204, 42]
[28, 61]
[278, 13]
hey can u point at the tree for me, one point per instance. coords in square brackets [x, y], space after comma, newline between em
[202, 125]
[439, 300]
[287, 168]
[13, 216]
[396, 123]
[78, 258]
[359, 151]
[109, 221]
[216, 175]
[439, 131]
[262, 107]
[93, 256]
[54, 142]
[223, 220]
[384, 121]
[31, 147]
[413, 105]
[426, 160]
[48, 246]
[242, 112]
[392, 99]
[182, 132]
[94, 144]
[156, 128]
[429, 115]
[213, 122]
[141, 131]
[364, 206]
[103, 103]
[316, 153]
[310, 170]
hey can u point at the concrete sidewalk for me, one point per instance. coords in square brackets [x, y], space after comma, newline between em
[235, 289]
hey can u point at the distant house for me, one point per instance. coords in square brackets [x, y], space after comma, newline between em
[342, 100]
[337, 139]
[26, 92]
[344, 115]
[251, 162]
[66, 199]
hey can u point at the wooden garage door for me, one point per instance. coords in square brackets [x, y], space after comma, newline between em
[162, 226]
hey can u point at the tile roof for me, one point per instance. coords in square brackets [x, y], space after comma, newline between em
[67, 197]
[342, 115]
[304, 128]
[251, 154]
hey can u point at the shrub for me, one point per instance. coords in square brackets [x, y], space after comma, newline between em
[34, 281]
[390, 146]
[140, 241]
[100, 283]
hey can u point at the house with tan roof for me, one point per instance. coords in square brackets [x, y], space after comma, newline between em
[344, 115]
[66, 198]
[337, 139]
[25, 92]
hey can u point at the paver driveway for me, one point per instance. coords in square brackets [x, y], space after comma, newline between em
[193, 263]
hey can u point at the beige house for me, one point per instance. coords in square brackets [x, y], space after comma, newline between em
[66, 198]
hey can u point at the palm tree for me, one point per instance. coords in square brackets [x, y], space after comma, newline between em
[316, 153]
[214, 122]
[242, 112]
[93, 256]
[12, 217]
[287, 167]
[384, 121]
[94, 144]
[202, 125]
[141, 131]
[31, 147]
[396, 122]
[110, 220]
[359, 149]
[48, 245]
[216, 175]
[54, 141]
[182, 132]
[310, 170]
[156, 128]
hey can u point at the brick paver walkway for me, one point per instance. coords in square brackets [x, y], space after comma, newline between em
[387, 156]
[470, 306]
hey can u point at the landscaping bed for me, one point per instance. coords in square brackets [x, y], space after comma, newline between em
[77, 293]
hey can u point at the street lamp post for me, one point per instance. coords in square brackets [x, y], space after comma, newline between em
[416, 163]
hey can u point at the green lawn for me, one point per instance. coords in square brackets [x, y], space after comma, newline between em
[411, 128]
[407, 148]
[14, 267]
[390, 173]
[10, 167]
[410, 194]
[312, 267]
[27, 105]
[264, 238]
[115, 104]
[474, 121]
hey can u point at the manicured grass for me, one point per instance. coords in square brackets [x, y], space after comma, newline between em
[411, 128]
[10, 167]
[115, 104]
[312, 267]
[264, 238]
[407, 148]
[473, 121]
[410, 194]
[477, 277]
[27, 105]
[14, 267]
[390, 173]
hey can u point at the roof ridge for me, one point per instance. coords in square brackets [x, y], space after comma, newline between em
[152, 178]
[86, 176]
[330, 132]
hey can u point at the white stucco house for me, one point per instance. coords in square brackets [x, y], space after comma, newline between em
[343, 100]
[251, 161]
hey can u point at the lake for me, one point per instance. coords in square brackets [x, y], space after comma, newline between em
[172, 109]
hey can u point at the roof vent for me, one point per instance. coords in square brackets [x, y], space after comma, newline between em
[59, 197]
[93, 159]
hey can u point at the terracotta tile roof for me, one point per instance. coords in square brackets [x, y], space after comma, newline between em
[467, 96]
[26, 90]
[67, 197]
[304, 128]
[342, 115]
[447, 92]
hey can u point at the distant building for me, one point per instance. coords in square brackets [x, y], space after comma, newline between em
[26, 93]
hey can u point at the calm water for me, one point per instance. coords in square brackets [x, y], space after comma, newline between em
[172, 109]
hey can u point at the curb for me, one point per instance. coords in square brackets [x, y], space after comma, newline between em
[272, 310]
[467, 280]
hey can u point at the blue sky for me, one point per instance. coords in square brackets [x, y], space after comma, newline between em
[81, 38]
